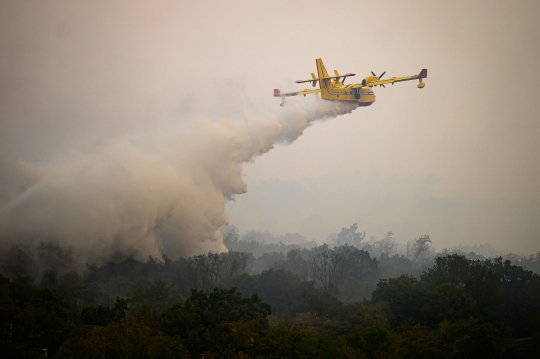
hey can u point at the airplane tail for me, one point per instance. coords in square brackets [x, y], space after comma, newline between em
[325, 84]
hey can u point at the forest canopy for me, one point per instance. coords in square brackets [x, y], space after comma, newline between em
[366, 299]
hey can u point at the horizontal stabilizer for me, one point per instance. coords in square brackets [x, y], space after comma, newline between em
[335, 77]
[324, 78]
[422, 74]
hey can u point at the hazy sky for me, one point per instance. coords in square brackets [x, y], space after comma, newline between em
[459, 159]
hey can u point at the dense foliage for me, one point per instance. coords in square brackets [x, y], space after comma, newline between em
[321, 302]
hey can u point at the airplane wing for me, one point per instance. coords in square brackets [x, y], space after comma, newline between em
[305, 92]
[420, 76]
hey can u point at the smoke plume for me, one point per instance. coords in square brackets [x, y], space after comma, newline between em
[157, 193]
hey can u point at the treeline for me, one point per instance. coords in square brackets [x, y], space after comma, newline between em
[354, 298]
[412, 257]
[457, 308]
[346, 272]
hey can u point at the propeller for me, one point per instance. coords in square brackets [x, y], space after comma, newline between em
[379, 77]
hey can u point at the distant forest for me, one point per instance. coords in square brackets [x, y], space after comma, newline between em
[274, 297]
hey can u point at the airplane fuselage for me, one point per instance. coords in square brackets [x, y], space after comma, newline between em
[339, 92]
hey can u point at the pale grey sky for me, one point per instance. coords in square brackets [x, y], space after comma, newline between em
[75, 74]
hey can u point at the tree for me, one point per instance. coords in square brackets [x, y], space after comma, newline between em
[356, 265]
[447, 302]
[223, 314]
[473, 276]
[374, 315]
[419, 249]
[289, 294]
[296, 261]
[524, 348]
[396, 265]
[157, 297]
[419, 342]
[385, 246]
[234, 264]
[512, 279]
[525, 317]
[469, 338]
[323, 262]
[231, 237]
[356, 273]
[405, 297]
[42, 323]
[103, 314]
[21, 290]
[290, 342]
[137, 337]
[228, 305]
[350, 236]
[377, 342]
[208, 267]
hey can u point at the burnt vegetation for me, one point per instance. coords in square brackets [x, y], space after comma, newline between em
[273, 297]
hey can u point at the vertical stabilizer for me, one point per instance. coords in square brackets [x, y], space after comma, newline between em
[325, 84]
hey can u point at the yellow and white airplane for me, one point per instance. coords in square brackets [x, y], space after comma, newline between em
[333, 88]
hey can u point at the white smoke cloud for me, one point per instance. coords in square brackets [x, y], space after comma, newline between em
[147, 195]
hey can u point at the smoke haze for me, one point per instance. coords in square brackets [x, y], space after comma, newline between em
[163, 192]
[113, 112]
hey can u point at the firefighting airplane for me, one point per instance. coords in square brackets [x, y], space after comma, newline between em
[333, 87]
